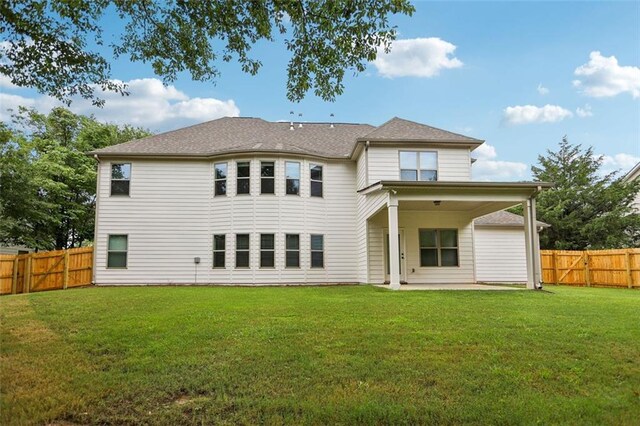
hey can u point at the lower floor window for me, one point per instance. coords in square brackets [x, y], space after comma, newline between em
[242, 250]
[439, 247]
[267, 250]
[293, 251]
[317, 251]
[117, 251]
[219, 250]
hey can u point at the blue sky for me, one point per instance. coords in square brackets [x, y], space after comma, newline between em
[504, 72]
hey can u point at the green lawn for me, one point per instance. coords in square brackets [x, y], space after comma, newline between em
[320, 356]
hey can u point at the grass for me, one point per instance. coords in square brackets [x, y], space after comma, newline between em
[312, 355]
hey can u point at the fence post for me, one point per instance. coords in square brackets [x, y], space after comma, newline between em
[65, 280]
[554, 265]
[27, 274]
[627, 264]
[587, 271]
[14, 280]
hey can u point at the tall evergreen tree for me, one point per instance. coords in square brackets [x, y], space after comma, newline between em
[47, 183]
[586, 208]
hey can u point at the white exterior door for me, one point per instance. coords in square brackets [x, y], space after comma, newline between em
[403, 262]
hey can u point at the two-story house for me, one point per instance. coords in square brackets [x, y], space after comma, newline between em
[246, 201]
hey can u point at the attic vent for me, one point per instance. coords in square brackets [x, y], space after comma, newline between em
[331, 120]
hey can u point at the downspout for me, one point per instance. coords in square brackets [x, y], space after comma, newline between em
[95, 220]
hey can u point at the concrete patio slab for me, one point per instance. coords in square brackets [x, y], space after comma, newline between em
[418, 287]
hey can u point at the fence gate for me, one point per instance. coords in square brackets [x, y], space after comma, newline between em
[602, 268]
[49, 270]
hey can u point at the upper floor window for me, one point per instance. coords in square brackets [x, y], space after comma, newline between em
[418, 165]
[120, 178]
[220, 179]
[117, 251]
[267, 177]
[293, 177]
[439, 247]
[243, 181]
[316, 180]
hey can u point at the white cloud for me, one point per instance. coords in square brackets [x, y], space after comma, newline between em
[542, 90]
[149, 104]
[487, 168]
[6, 82]
[584, 112]
[603, 77]
[623, 162]
[417, 57]
[526, 114]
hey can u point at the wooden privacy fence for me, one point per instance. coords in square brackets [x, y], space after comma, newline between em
[601, 268]
[49, 270]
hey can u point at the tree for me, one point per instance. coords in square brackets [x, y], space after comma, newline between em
[46, 42]
[586, 210]
[47, 183]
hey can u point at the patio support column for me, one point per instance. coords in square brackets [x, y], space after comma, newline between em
[537, 262]
[532, 243]
[528, 242]
[394, 244]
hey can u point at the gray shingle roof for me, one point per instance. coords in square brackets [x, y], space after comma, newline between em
[503, 218]
[398, 129]
[229, 135]
[240, 134]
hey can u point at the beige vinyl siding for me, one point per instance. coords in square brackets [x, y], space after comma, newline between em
[171, 216]
[454, 164]
[500, 254]
[411, 222]
[368, 205]
[165, 217]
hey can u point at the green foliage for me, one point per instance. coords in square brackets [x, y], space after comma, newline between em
[47, 197]
[48, 40]
[585, 209]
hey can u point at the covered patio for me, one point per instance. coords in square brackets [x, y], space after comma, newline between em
[434, 224]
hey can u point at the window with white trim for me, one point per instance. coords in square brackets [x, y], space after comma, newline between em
[292, 170]
[243, 178]
[267, 177]
[242, 250]
[267, 250]
[220, 178]
[439, 247]
[219, 250]
[316, 180]
[317, 251]
[117, 251]
[120, 178]
[292, 247]
[418, 165]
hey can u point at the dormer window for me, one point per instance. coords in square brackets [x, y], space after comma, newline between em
[422, 165]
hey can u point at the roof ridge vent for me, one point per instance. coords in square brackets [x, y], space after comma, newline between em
[291, 123]
[300, 122]
[331, 120]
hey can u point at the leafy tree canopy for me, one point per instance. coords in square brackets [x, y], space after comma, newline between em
[47, 183]
[47, 42]
[586, 209]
